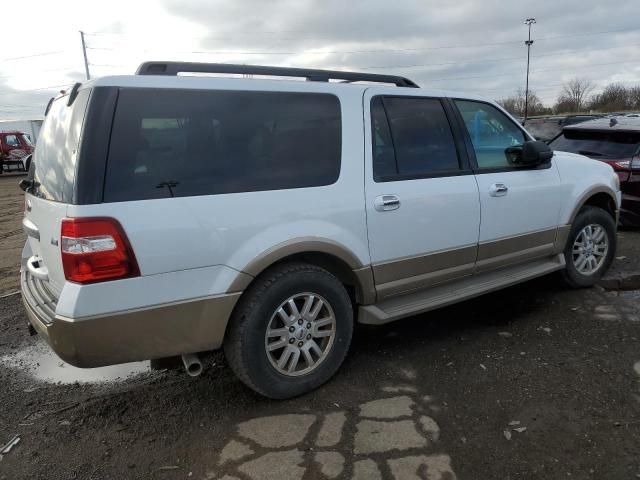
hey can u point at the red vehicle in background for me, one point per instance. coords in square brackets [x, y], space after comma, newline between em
[15, 147]
[615, 141]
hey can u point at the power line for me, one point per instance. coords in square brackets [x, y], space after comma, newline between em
[388, 50]
[31, 56]
[533, 71]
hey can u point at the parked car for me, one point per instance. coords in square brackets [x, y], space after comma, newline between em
[617, 143]
[171, 214]
[14, 148]
[544, 129]
[574, 119]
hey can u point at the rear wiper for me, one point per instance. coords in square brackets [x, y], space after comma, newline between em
[589, 153]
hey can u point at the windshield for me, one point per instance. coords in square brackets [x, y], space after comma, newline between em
[598, 144]
[26, 139]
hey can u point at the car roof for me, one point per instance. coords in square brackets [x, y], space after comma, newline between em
[608, 124]
[256, 84]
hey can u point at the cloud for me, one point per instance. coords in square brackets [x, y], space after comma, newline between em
[468, 45]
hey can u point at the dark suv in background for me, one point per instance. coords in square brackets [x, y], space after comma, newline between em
[615, 141]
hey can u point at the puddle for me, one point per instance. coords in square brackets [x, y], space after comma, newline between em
[41, 362]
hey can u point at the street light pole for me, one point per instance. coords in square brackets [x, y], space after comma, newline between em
[528, 43]
[84, 52]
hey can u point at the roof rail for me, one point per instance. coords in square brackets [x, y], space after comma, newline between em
[315, 75]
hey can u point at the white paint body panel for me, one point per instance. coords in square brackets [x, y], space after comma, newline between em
[435, 213]
[193, 247]
[579, 175]
[532, 202]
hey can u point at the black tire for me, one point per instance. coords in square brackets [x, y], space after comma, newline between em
[244, 344]
[589, 215]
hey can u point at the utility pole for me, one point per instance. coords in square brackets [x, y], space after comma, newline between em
[528, 43]
[84, 52]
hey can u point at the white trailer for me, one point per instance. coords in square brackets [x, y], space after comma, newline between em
[29, 127]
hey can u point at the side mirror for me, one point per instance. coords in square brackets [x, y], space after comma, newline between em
[529, 154]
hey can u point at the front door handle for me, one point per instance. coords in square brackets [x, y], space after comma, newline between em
[384, 203]
[498, 190]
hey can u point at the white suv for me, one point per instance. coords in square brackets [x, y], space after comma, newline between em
[170, 214]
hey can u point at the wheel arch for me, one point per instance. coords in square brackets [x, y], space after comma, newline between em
[601, 197]
[332, 256]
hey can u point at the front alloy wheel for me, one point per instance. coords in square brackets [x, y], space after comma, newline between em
[590, 249]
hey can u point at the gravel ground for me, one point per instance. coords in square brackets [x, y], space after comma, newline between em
[533, 382]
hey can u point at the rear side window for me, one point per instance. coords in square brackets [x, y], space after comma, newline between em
[598, 144]
[55, 156]
[411, 138]
[174, 143]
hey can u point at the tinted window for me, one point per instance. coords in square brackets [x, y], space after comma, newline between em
[598, 144]
[55, 157]
[186, 142]
[491, 132]
[384, 157]
[12, 140]
[421, 137]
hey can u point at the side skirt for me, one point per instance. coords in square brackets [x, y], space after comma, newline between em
[456, 291]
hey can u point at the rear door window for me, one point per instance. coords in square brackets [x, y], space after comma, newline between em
[598, 144]
[412, 138]
[172, 143]
[55, 157]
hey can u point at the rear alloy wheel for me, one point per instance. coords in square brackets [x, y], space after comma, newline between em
[590, 247]
[300, 334]
[290, 331]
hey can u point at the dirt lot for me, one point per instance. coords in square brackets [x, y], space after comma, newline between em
[534, 382]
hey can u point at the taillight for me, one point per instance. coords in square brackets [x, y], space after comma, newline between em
[620, 164]
[96, 250]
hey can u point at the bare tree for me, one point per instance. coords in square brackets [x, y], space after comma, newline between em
[574, 95]
[515, 104]
[614, 97]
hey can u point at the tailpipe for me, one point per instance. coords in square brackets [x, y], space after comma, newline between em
[192, 364]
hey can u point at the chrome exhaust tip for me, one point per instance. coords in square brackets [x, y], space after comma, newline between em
[192, 364]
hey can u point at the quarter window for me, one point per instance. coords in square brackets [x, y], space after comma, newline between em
[491, 132]
[174, 143]
[411, 138]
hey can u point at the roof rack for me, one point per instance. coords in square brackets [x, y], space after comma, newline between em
[313, 75]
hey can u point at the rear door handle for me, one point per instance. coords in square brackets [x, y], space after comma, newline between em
[498, 190]
[384, 203]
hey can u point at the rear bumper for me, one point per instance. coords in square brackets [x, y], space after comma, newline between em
[143, 334]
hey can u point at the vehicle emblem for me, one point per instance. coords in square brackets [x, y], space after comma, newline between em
[54, 242]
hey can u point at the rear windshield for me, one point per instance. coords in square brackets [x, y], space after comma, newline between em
[55, 156]
[598, 144]
[172, 143]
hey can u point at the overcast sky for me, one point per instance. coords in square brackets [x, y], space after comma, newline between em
[468, 45]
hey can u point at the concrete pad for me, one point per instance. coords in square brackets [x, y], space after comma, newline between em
[366, 470]
[375, 437]
[277, 431]
[331, 463]
[400, 389]
[430, 427]
[393, 407]
[331, 430]
[281, 465]
[422, 467]
[234, 451]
